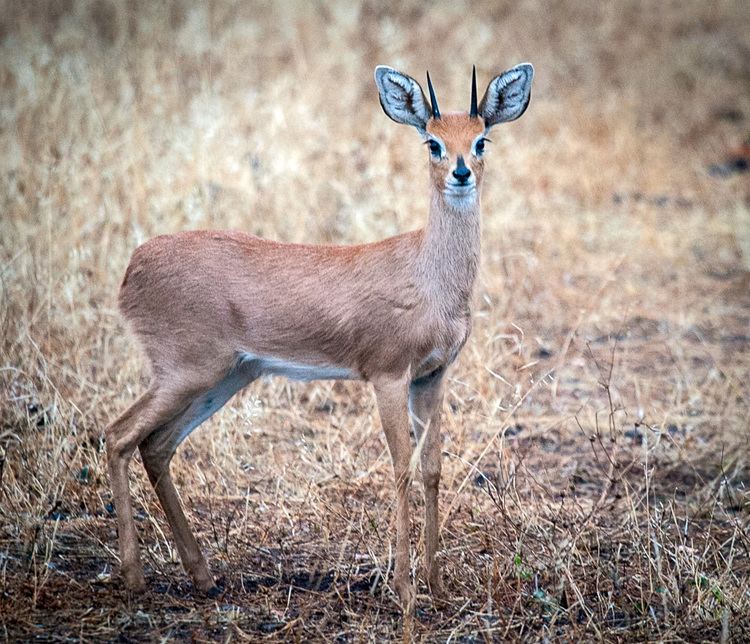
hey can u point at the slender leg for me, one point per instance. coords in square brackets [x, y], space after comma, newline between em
[392, 398]
[157, 450]
[425, 401]
[150, 411]
[157, 463]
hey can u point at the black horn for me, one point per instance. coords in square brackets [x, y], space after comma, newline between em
[473, 112]
[433, 99]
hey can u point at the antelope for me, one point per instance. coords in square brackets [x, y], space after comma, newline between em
[214, 311]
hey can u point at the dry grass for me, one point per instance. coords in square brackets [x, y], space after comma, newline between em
[596, 464]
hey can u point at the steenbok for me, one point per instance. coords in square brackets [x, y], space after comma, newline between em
[213, 311]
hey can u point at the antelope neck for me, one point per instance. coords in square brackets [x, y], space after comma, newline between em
[449, 257]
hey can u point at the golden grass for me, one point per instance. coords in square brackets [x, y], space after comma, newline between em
[596, 426]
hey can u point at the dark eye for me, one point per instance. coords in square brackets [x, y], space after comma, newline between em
[479, 147]
[435, 149]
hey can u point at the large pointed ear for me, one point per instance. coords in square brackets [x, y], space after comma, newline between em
[507, 95]
[402, 98]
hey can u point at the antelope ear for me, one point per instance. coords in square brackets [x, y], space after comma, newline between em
[402, 97]
[507, 95]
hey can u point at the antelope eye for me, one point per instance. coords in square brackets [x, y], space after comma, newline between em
[479, 148]
[435, 149]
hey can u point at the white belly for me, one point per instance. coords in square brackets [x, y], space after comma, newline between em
[270, 366]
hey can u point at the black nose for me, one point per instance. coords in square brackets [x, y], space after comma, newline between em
[462, 173]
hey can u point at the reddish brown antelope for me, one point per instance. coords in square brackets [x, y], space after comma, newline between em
[213, 311]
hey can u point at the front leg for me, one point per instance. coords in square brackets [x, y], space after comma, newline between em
[425, 401]
[392, 397]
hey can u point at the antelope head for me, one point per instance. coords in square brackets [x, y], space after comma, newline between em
[456, 140]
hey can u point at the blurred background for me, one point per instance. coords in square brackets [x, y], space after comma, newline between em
[614, 285]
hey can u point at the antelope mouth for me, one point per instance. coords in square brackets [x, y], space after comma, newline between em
[460, 191]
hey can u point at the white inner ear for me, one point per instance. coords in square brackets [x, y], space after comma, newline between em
[508, 95]
[401, 97]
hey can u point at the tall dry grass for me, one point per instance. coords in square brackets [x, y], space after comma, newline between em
[596, 433]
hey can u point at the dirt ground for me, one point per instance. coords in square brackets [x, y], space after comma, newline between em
[596, 470]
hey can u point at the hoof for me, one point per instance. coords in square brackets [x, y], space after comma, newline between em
[437, 590]
[213, 592]
[135, 582]
[207, 586]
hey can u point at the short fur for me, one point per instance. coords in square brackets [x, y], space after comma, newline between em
[213, 311]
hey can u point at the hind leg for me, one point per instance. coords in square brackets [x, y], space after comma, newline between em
[151, 410]
[157, 450]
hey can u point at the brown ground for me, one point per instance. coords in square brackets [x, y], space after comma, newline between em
[596, 469]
